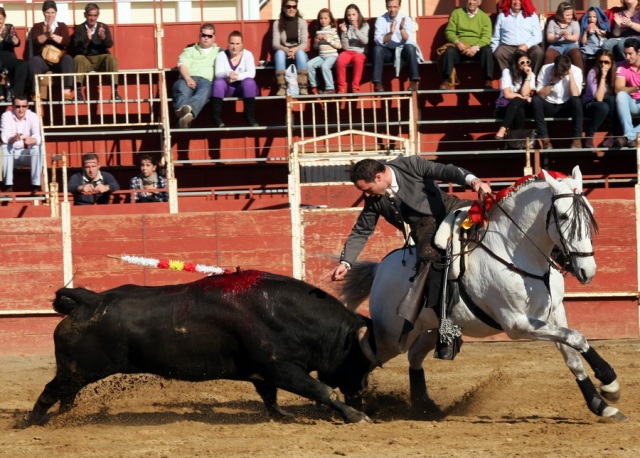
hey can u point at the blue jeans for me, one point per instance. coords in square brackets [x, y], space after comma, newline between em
[326, 64]
[281, 61]
[196, 98]
[627, 107]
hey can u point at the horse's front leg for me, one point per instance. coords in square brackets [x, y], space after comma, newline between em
[570, 342]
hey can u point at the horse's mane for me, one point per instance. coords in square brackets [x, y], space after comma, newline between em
[581, 211]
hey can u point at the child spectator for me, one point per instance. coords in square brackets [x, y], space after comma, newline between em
[516, 85]
[563, 33]
[354, 33]
[327, 42]
[594, 27]
[150, 181]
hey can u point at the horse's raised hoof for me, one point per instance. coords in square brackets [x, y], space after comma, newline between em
[611, 392]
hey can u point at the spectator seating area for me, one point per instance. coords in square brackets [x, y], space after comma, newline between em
[246, 167]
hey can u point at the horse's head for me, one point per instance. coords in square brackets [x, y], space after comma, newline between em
[570, 223]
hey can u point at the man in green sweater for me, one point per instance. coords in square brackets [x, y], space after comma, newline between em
[196, 68]
[469, 32]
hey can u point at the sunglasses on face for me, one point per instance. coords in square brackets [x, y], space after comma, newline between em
[204, 35]
[604, 62]
[291, 7]
[21, 106]
[524, 62]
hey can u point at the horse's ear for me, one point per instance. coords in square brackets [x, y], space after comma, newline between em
[576, 174]
[552, 182]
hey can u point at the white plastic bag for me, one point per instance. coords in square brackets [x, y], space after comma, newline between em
[291, 76]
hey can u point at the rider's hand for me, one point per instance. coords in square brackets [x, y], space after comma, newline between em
[339, 272]
[477, 184]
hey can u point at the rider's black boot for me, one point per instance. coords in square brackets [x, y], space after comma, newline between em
[434, 289]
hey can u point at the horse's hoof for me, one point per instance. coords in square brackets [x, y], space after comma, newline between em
[611, 392]
[614, 414]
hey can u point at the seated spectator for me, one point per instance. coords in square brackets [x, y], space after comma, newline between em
[599, 99]
[196, 66]
[559, 86]
[92, 186]
[290, 39]
[327, 42]
[17, 69]
[52, 32]
[150, 181]
[395, 41]
[92, 41]
[235, 72]
[627, 88]
[516, 85]
[354, 33]
[625, 23]
[469, 32]
[594, 28]
[517, 27]
[563, 33]
[21, 142]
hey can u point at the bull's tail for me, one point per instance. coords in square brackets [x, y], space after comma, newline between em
[357, 283]
[67, 299]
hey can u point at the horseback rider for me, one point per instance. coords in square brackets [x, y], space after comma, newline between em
[404, 191]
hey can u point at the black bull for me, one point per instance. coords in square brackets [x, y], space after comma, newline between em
[255, 326]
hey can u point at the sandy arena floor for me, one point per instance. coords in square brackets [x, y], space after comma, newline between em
[500, 399]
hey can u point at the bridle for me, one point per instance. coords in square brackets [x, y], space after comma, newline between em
[579, 206]
[580, 209]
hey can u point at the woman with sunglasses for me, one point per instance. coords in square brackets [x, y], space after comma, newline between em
[290, 41]
[516, 86]
[599, 98]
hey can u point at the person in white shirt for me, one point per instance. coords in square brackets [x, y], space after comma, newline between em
[21, 142]
[559, 87]
[235, 72]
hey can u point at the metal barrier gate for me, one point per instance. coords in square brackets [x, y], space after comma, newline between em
[379, 127]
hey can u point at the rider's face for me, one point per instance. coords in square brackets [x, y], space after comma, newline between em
[372, 188]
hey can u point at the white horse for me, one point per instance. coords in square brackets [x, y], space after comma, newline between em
[508, 283]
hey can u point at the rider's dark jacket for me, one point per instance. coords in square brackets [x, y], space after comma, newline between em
[418, 193]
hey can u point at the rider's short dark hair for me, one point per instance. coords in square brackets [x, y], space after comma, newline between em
[366, 170]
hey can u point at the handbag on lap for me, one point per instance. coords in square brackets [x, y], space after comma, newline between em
[52, 54]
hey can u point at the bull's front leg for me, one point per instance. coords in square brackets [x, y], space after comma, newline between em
[50, 395]
[293, 378]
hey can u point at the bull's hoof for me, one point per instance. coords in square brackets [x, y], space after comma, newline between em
[426, 406]
[279, 415]
[355, 416]
[29, 420]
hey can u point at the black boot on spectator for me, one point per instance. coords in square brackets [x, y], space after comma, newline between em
[216, 112]
[116, 96]
[79, 96]
[250, 111]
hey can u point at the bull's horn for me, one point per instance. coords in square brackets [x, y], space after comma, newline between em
[363, 340]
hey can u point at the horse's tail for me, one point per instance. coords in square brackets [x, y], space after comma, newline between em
[357, 284]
